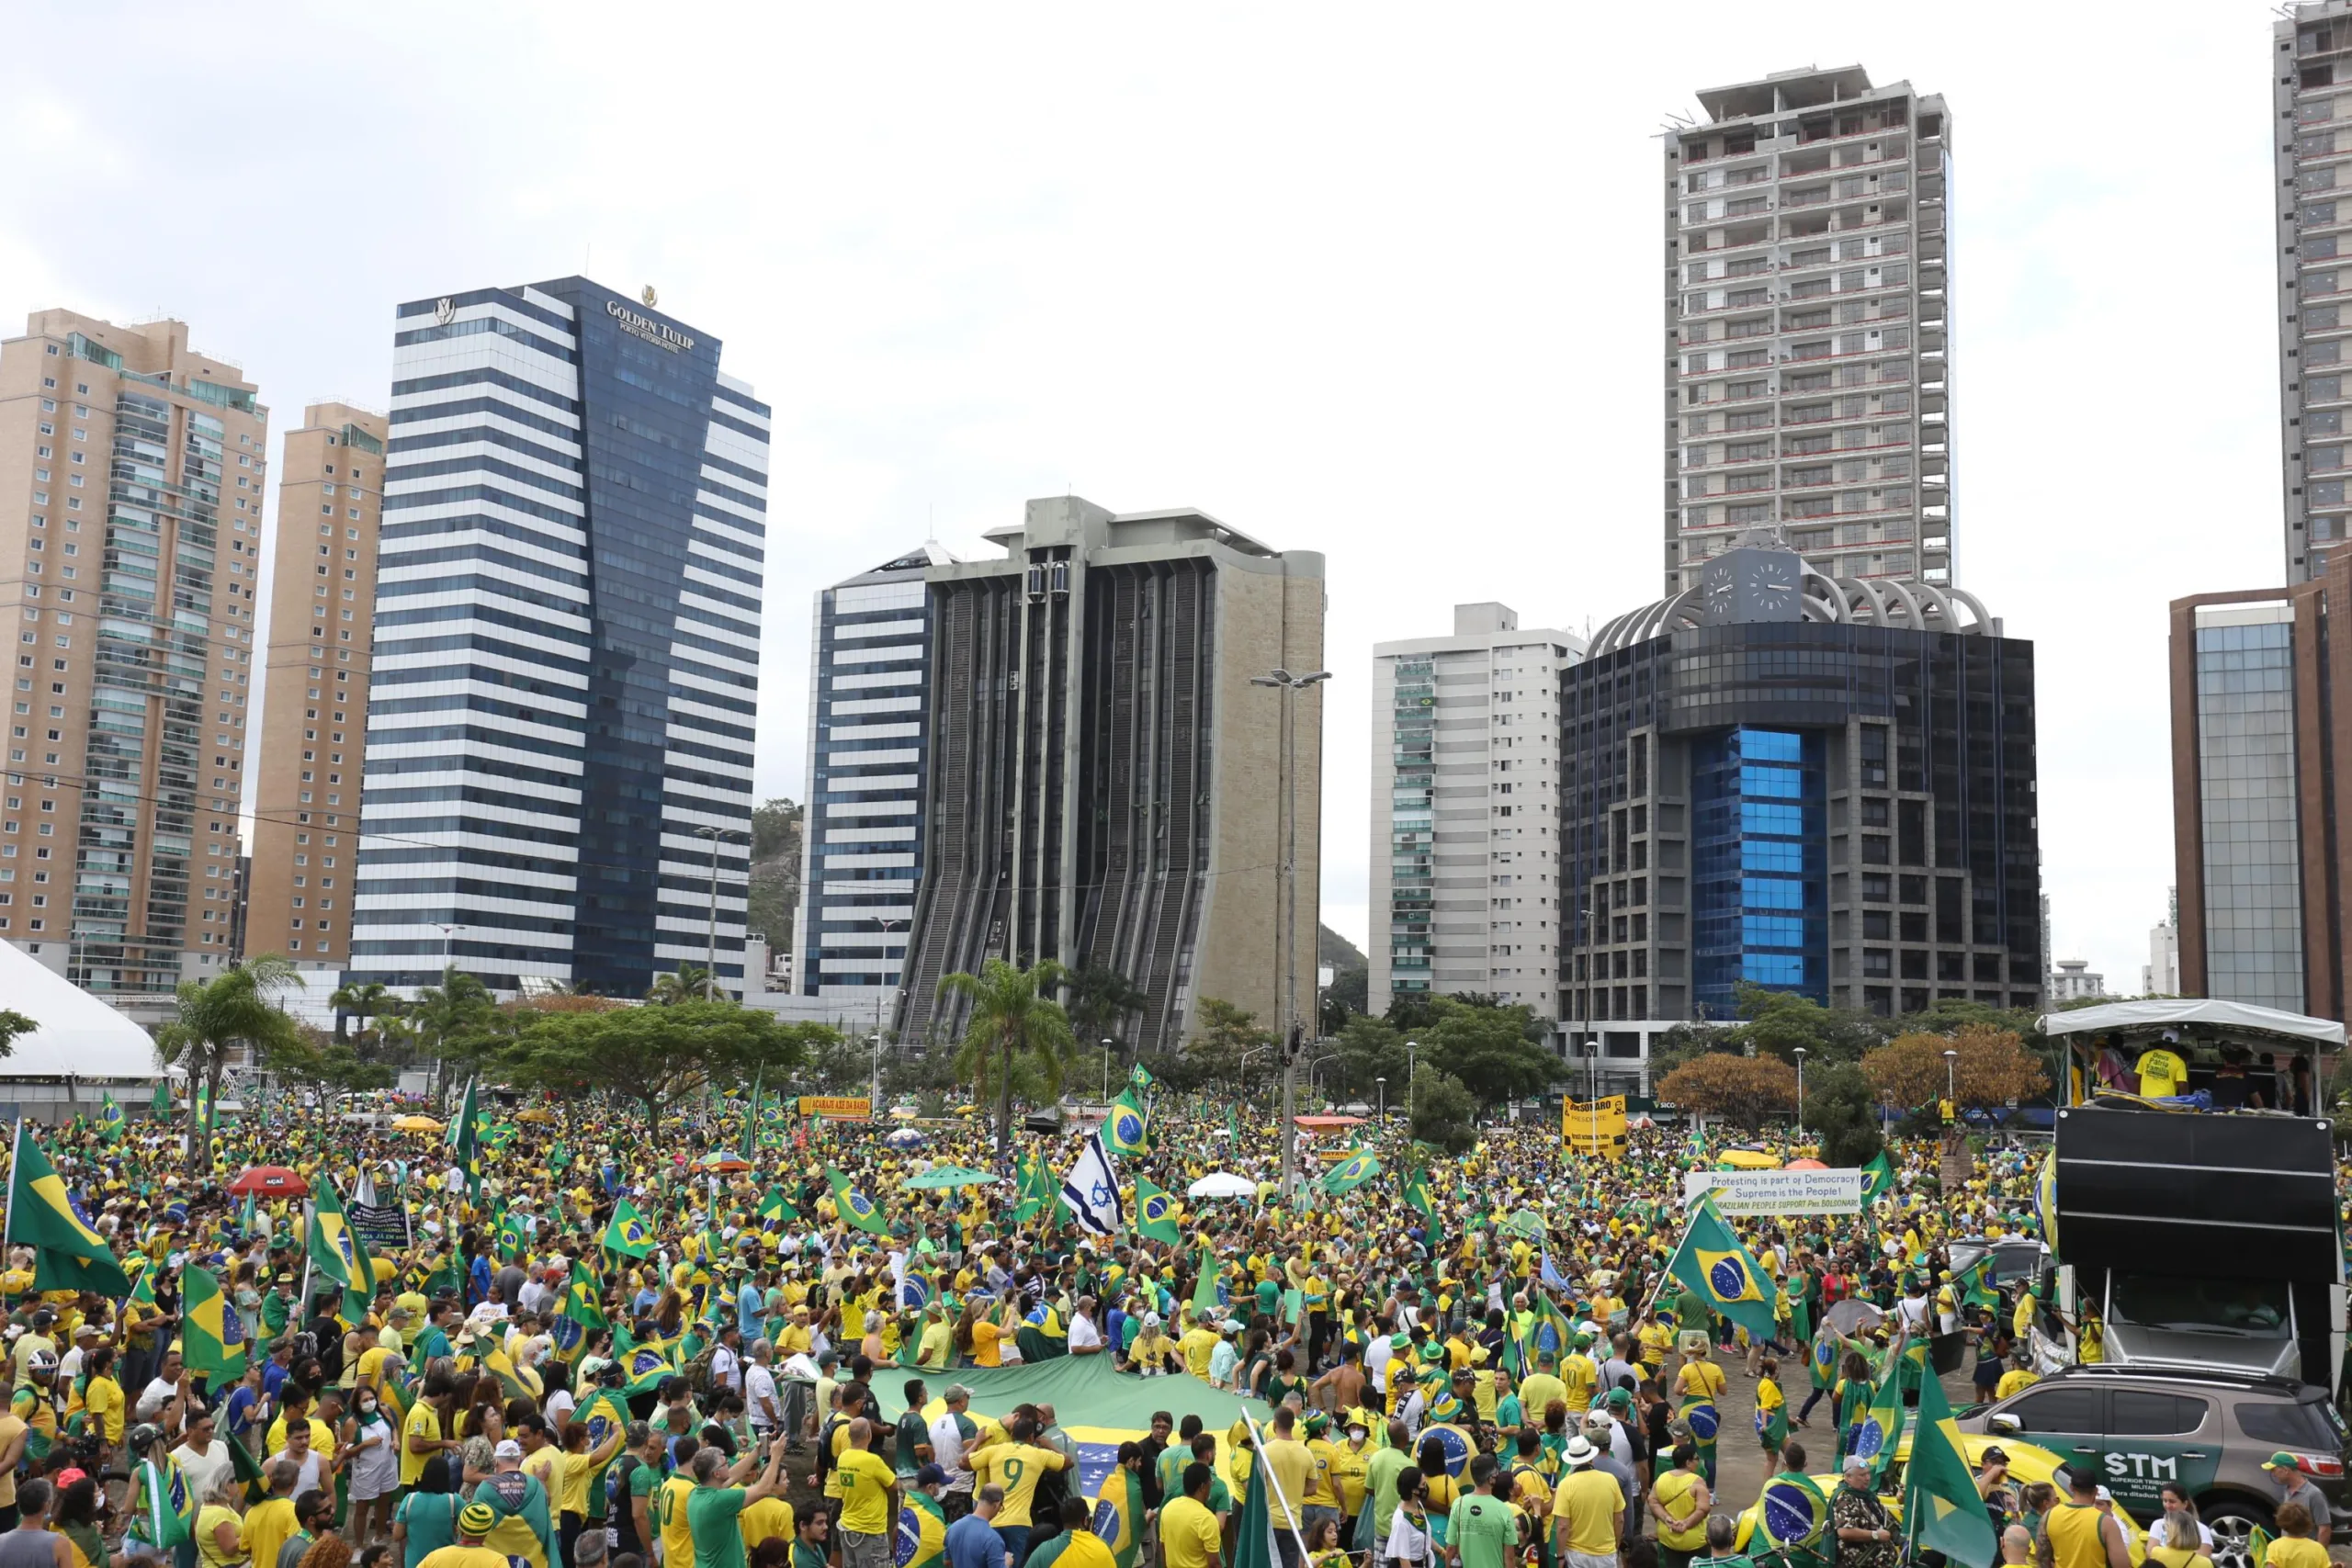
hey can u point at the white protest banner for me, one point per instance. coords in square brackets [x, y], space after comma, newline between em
[1751, 1193]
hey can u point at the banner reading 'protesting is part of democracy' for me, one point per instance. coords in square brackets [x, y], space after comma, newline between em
[1747, 1193]
[837, 1107]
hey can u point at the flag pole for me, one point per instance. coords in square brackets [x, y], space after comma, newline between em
[15, 1163]
[1263, 1472]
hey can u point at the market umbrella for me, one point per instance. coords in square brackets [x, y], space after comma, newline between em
[535, 1113]
[1745, 1160]
[416, 1124]
[269, 1180]
[1805, 1165]
[944, 1176]
[906, 1113]
[1222, 1184]
[1851, 1316]
[722, 1159]
[904, 1138]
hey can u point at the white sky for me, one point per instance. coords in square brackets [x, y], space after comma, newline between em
[1376, 280]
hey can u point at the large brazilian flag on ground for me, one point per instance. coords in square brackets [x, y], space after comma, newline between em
[67, 1254]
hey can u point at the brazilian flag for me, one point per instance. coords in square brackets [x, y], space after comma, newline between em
[109, 1118]
[1118, 1513]
[1417, 1196]
[1156, 1213]
[1126, 1131]
[465, 1139]
[1351, 1172]
[1940, 1500]
[1878, 1179]
[67, 1254]
[203, 1334]
[646, 1363]
[337, 1255]
[629, 1234]
[1792, 1512]
[1712, 1263]
[582, 1310]
[511, 1240]
[1879, 1432]
[775, 1210]
[856, 1209]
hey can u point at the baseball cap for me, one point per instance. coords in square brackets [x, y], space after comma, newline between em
[1996, 1455]
[507, 1449]
[930, 1475]
[956, 1391]
[2282, 1460]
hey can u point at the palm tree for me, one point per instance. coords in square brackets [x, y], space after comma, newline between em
[690, 983]
[235, 1010]
[369, 999]
[462, 1018]
[1016, 1032]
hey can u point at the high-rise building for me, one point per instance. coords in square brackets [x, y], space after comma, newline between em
[321, 603]
[2311, 90]
[1466, 849]
[2160, 976]
[131, 469]
[2259, 737]
[869, 683]
[560, 719]
[1108, 782]
[1807, 366]
[1818, 785]
[2072, 980]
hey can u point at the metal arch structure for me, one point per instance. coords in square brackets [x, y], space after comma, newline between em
[1896, 604]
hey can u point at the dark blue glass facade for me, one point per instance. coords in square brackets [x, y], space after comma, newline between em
[1759, 881]
[645, 411]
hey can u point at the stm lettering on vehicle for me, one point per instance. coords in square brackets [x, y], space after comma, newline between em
[2144, 1467]
[650, 330]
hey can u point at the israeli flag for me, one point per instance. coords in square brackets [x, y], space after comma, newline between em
[1091, 1190]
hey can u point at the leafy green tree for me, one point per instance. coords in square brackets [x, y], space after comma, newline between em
[1100, 1000]
[367, 1001]
[1368, 1050]
[324, 1065]
[235, 1011]
[460, 1023]
[1486, 1046]
[13, 1023]
[1017, 1036]
[653, 1054]
[1841, 1110]
[772, 898]
[1349, 991]
[687, 983]
[1227, 1041]
[1443, 1112]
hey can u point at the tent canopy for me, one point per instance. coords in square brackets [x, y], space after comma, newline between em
[78, 1035]
[2244, 1018]
[1327, 1124]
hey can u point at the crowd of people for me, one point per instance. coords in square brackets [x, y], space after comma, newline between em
[1498, 1373]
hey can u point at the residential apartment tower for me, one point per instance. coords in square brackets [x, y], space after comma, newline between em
[131, 469]
[2312, 94]
[1466, 852]
[1807, 360]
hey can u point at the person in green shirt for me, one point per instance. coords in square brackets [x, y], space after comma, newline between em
[808, 1537]
[1380, 1483]
[1722, 1529]
[715, 1504]
[1484, 1528]
[913, 1434]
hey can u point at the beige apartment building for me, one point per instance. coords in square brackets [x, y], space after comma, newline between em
[131, 502]
[322, 600]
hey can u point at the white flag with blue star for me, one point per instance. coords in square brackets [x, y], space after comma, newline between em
[1091, 1190]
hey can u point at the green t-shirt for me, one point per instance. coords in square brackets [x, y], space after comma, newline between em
[431, 1521]
[1482, 1530]
[1380, 1485]
[711, 1515]
[913, 1430]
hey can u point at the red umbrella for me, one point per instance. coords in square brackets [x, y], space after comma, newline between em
[269, 1180]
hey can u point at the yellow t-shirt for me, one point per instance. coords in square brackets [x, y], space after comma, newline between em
[1199, 1344]
[423, 1421]
[209, 1520]
[1699, 1380]
[2013, 1380]
[463, 1557]
[267, 1527]
[985, 1349]
[321, 1436]
[865, 1482]
[1586, 1504]
[103, 1400]
[1016, 1467]
[2162, 1072]
[2295, 1551]
[768, 1518]
[1292, 1466]
[670, 1519]
[1188, 1537]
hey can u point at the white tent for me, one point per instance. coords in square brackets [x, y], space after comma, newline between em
[78, 1035]
[2242, 1018]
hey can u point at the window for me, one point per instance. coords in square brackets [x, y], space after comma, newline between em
[2058, 1410]
[2297, 1426]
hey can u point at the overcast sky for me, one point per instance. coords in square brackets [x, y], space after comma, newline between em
[1380, 281]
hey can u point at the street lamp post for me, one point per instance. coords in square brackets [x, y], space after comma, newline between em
[1106, 1072]
[710, 934]
[1412, 1050]
[1799, 1091]
[1951, 1077]
[1289, 686]
[882, 925]
[1381, 1085]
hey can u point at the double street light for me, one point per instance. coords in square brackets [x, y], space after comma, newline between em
[1289, 686]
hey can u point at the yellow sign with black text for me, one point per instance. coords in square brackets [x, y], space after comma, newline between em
[1595, 1126]
[836, 1108]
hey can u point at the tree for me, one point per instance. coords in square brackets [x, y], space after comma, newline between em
[1349, 991]
[323, 1065]
[1017, 1034]
[1746, 1090]
[235, 1010]
[772, 898]
[1443, 1112]
[652, 1055]
[688, 982]
[1841, 1110]
[1993, 1067]
[367, 1001]
[1485, 1045]
[1368, 1050]
[1099, 1001]
[462, 1022]
[1226, 1038]
[13, 1023]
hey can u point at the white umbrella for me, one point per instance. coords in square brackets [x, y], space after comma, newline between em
[1222, 1184]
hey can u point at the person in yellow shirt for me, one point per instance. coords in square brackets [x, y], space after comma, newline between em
[2162, 1072]
[669, 1506]
[475, 1520]
[1016, 1466]
[296, 1404]
[2020, 1376]
[2294, 1548]
[1199, 1344]
[1190, 1536]
[272, 1524]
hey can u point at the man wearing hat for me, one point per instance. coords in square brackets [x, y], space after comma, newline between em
[2285, 1473]
[525, 1525]
[475, 1521]
[1588, 1510]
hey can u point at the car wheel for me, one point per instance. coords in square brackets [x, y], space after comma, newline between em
[2233, 1521]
